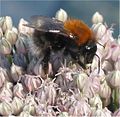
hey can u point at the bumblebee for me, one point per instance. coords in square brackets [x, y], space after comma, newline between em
[73, 37]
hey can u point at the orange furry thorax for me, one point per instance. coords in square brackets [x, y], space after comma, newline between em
[80, 30]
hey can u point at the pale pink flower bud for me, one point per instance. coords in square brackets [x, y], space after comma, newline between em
[18, 90]
[61, 15]
[102, 113]
[7, 24]
[2, 77]
[115, 53]
[95, 101]
[30, 99]
[80, 108]
[81, 79]
[41, 95]
[22, 43]
[11, 35]
[30, 104]
[8, 85]
[113, 78]
[17, 105]
[47, 92]
[107, 36]
[5, 46]
[24, 29]
[99, 30]
[6, 94]
[30, 107]
[91, 87]
[31, 82]
[101, 74]
[105, 90]
[25, 114]
[107, 66]
[97, 18]
[111, 51]
[5, 108]
[16, 72]
[107, 51]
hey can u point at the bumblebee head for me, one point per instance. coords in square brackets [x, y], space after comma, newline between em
[87, 52]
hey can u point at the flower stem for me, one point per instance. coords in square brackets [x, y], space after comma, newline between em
[9, 57]
[116, 98]
[114, 104]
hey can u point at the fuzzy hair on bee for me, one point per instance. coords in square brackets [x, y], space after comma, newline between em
[72, 37]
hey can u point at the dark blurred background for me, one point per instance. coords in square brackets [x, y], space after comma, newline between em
[83, 9]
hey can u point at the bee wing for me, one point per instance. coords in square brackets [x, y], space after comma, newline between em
[45, 24]
[34, 27]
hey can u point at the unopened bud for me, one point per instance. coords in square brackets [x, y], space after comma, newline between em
[61, 15]
[97, 18]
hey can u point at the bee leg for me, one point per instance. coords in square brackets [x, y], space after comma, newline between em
[46, 60]
[74, 55]
[81, 64]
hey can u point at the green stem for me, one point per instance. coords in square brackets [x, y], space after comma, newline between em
[9, 57]
[114, 104]
[116, 98]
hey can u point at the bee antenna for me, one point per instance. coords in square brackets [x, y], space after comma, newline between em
[98, 63]
[101, 45]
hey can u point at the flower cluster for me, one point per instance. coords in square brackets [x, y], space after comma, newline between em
[25, 90]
